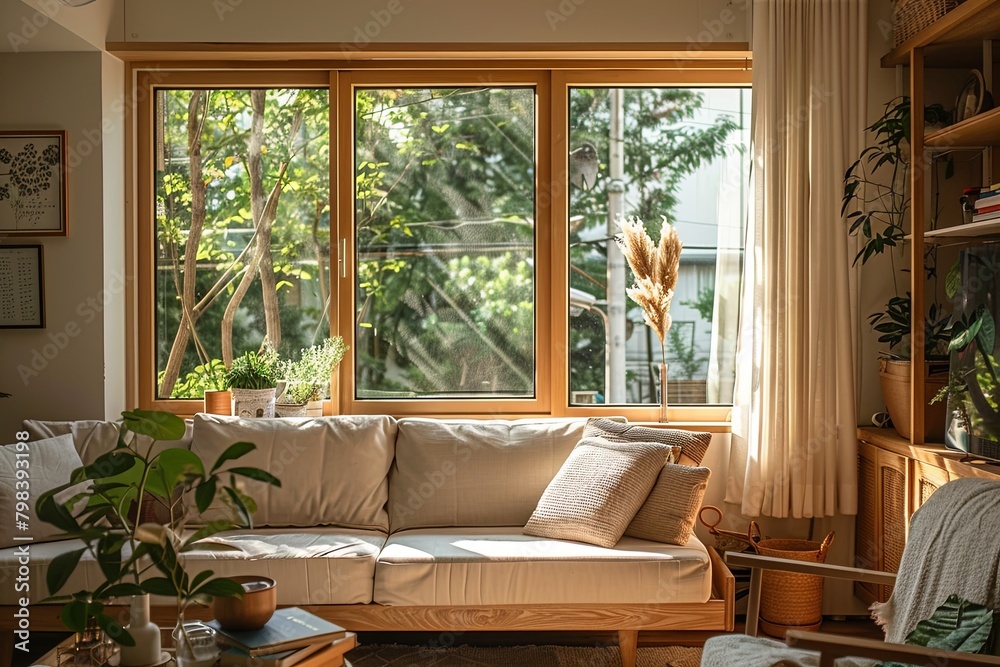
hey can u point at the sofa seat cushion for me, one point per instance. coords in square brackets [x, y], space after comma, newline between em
[502, 566]
[311, 566]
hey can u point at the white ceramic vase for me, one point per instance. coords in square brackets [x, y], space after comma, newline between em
[145, 633]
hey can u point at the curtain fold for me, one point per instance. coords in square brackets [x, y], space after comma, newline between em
[794, 449]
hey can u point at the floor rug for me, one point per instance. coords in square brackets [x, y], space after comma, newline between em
[397, 655]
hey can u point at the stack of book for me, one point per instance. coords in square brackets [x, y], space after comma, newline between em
[987, 206]
[292, 637]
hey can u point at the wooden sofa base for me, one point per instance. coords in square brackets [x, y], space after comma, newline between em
[628, 620]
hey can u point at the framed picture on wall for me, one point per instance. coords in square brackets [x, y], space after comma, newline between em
[33, 183]
[22, 290]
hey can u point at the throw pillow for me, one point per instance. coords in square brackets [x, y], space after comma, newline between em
[597, 491]
[49, 463]
[693, 444]
[669, 512]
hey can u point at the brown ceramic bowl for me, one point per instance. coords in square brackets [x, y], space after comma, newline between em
[253, 610]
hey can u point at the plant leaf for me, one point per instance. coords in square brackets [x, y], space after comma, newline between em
[257, 474]
[221, 588]
[61, 569]
[154, 423]
[200, 578]
[987, 332]
[957, 625]
[235, 451]
[205, 494]
[159, 586]
[74, 614]
[953, 280]
[115, 630]
[241, 508]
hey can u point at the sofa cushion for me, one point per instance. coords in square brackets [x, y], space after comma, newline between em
[333, 469]
[311, 566]
[92, 438]
[669, 512]
[47, 464]
[468, 472]
[692, 444]
[501, 566]
[597, 491]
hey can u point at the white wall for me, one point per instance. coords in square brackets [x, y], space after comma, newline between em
[59, 372]
[435, 21]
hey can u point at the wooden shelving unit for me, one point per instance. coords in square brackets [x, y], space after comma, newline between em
[896, 475]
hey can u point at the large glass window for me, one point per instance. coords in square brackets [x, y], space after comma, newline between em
[445, 242]
[658, 153]
[242, 220]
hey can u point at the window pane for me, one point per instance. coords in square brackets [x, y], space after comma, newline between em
[242, 228]
[445, 214]
[652, 152]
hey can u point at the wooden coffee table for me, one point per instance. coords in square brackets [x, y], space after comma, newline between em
[328, 657]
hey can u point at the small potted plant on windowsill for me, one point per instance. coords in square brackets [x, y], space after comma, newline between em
[309, 376]
[218, 398]
[253, 379]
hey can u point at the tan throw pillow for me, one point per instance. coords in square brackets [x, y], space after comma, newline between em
[597, 491]
[47, 463]
[669, 512]
[693, 444]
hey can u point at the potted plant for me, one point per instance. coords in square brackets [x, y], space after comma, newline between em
[295, 398]
[875, 193]
[218, 398]
[111, 516]
[308, 378]
[253, 379]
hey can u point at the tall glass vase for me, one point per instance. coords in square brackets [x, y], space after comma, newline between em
[194, 643]
[663, 393]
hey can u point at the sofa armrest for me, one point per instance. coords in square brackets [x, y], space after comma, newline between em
[758, 563]
[831, 647]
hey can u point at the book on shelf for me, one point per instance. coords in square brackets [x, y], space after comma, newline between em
[289, 628]
[985, 217]
[995, 206]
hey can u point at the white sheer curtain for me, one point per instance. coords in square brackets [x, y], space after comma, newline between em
[794, 450]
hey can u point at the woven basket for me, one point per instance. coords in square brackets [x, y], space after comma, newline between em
[789, 600]
[911, 16]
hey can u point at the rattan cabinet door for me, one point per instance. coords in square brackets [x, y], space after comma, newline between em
[926, 480]
[867, 551]
[893, 501]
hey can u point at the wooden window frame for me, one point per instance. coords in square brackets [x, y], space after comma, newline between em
[551, 78]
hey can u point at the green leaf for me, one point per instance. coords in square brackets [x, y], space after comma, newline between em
[957, 625]
[221, 588]
[205, 494]
[234, 451]
[155, 424]
[987, 332]
[115, 630]
[170, 468]
[50, 511]
[953, 281]
[112, 464]
[200, 578]
[257, 474]
[74, 615]
[962, 340]
[61, 569]
[238, 504]
[159, 586]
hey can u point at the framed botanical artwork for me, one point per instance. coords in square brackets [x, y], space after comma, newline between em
[22, 290]
[33, 183]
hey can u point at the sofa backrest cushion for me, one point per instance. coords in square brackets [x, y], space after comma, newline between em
[333, 470]
[93, 438]
[47, 464]
[466, 472]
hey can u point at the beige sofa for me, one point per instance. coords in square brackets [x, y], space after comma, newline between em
[416, 524]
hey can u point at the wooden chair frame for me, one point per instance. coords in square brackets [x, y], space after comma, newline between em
[831, 647]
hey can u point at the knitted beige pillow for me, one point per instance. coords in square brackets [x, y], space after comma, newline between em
[597, 491]
[693, 444]
[669, 512]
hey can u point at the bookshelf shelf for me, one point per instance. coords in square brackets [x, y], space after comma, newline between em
[972, 232]
[980, 130]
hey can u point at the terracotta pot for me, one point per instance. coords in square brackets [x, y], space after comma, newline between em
[895, 379]
[253, 610]
[219, 402]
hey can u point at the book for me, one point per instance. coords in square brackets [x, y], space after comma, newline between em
[989, 209]
[331, 656]
[983, 217]
[288, 629]
[235, 657]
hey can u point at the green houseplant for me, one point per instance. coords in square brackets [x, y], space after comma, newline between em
[308, 377]
[253, 379]
[877, 203]
[131, 514]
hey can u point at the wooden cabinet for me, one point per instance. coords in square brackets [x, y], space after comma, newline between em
[895, 478]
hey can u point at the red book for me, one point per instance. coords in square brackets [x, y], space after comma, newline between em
[988, 209]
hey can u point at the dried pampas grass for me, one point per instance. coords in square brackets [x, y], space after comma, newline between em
[655, 269]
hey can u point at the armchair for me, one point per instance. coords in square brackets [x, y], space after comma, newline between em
[952, 549]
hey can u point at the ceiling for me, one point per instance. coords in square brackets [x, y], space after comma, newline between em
[26, 30]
